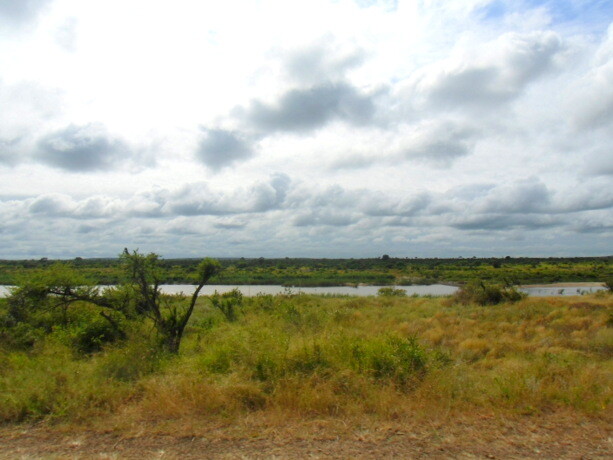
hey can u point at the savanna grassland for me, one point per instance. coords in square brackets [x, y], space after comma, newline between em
[297, 375]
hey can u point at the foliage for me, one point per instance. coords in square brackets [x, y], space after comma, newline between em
[334, 272]
[480, 293]
[608, 284]
[59, 300]
[228, 303]
[391, 292]
[169, 314]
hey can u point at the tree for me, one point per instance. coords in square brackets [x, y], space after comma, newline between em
[139, 297]
[168, 313]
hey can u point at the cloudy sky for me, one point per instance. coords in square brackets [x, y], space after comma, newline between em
[320, 128]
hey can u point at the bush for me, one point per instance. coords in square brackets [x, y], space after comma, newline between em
[228, 303]
[389, 358]
[483, 294]
[391, 292]
[130, 362]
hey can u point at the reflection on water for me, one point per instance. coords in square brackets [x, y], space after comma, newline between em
[361, 291]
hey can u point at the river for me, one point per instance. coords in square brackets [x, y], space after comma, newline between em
[562, 289]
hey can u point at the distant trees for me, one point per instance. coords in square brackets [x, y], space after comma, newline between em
[41, 302]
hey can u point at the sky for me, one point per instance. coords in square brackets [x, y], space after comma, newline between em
[320, 128]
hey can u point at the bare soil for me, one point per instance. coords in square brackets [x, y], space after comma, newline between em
[479, 436]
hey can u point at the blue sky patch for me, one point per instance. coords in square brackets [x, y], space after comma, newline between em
[594, 15]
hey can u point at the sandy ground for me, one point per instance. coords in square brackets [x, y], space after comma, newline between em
[563, 285]
[551, 437]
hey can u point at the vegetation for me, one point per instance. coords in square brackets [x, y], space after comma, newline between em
[479, 293]
[334, 272]
[391, 292]
[386, 357]
[42, 304]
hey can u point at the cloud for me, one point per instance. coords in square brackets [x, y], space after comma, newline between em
[321, 61]
[81, 149]
[17, 12]
[439, 143]
[326, 218]
[493, 74]
[381, 205]
[505, 222]
[600, 162]
[526, 196]
[220, 148]
[304, 110]
[198, 199]
[66, 35]
[52, 205]
[592, 104]
[27, 107]
[8, 153]
[60, 205]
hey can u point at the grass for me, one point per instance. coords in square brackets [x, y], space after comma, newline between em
[311, 356]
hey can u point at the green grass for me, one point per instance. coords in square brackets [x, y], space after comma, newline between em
[386, 357]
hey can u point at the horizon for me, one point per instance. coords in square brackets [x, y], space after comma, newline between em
[391, 257]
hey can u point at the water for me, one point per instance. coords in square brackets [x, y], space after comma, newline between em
[360, 291]
[252, 290]
[557, 291]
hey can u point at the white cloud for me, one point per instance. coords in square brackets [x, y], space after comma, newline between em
[327, 127]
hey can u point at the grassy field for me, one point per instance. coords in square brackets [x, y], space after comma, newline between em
[293, 376]
[309, 356]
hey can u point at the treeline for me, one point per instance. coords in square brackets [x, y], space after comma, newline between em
[384, 270]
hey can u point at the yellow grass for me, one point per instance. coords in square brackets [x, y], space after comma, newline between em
[307, 356]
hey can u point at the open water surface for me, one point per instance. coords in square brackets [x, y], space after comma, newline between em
[361, 291]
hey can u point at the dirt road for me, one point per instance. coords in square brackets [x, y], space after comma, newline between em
[478, 437]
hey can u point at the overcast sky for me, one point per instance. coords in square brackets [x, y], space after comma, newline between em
[338, 128]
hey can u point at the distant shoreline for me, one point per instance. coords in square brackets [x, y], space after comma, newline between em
[563, 285]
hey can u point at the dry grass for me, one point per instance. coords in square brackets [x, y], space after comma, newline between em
[306, 357]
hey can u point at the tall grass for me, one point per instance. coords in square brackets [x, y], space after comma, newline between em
[319, 356]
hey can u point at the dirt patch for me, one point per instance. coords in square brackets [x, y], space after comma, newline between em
[488, 436]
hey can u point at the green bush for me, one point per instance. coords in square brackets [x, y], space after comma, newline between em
[480, 293]
[389, 358]
[228, 303]
[391, 292]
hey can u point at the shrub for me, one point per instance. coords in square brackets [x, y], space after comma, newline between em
[391, 292]
[228, 303]
[131, 361]
[480, 293]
